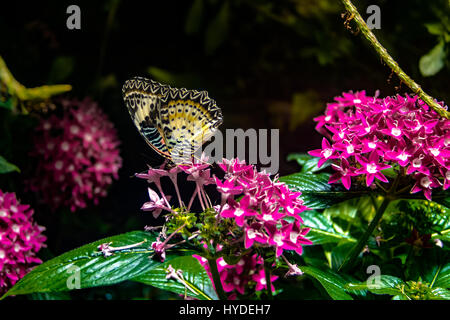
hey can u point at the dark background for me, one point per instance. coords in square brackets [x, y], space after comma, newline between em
[268, 64]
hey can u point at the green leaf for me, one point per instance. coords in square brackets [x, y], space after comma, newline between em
[442, 197]
[218, 29]
[439, 294]
[339, 253]
[6, 167]
[177, 80]
[332, 282]
[49, 296]
[199, 284]
[93, 269]
[436, 29]
[433, 61]
[316, 192]
[307, 162]
[162, 75]
[194, 17]
[444, 235]
[442, 277]
[386, 285]
[322, 230]
[61, 68]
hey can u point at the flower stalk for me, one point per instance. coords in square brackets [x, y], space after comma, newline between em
[268, 280]
[216, 279]
[350, 259]
[393, 65]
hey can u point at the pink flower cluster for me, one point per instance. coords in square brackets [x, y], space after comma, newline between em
[236, 278]
[370, 134]
[261, 212]
[263, 208]
[20, 240]
[78, 155]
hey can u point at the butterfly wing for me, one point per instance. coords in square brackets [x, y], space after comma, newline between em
[187, 118]
[174, 122]
[142, 101]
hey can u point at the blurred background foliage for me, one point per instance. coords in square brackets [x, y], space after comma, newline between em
[268, 64]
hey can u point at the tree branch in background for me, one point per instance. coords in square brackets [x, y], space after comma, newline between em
[382, 52]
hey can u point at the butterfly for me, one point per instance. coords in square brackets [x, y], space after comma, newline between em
[174, 122]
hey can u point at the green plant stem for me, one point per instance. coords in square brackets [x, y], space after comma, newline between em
[349, 260]
[216, 279]
[393, 65]
[268, 281]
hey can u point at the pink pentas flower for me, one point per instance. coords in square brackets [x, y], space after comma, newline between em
[201, 177]
[372, 134]
[270, 211]
[326, 153]
[20, 240]
[419, 163]
[236, 278]
[289, 237]
[156, 204]
[372, 168]
[228, 187]
[238, 210]
[425, 183]
[344, 173]
[254, 232]
[296, 234]
[153, 176]
[446, 179]
[77, 156]
[400, 153]
[261, 282]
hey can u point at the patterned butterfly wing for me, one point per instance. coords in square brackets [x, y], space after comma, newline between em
[187, 118]
[143, 98]
[174, 122]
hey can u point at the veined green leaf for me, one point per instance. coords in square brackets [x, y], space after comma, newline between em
[197, 282]
[322, 230]
[316, 192]
[439, 294]
[87, 267]
[386, 285]
[332, 282]
[308, 163]
[441, 277]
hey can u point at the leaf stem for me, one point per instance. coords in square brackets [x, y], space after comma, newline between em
[216, 279]
[393, 65]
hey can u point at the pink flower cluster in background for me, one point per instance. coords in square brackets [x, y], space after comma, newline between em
[78, 156]
[236, 278]
[366, 135]
[20, 240]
